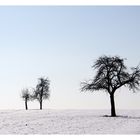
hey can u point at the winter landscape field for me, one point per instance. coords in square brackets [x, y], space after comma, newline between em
[69, 122]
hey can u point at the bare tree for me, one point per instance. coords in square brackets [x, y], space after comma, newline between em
[111, 75]
[41, 91]
[26, 97]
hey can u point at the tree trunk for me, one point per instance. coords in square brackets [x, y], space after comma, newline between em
[41, 98]
[41, 105]
[113, 112]
[26, 106]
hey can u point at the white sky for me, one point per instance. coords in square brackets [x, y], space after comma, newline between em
[62, 43]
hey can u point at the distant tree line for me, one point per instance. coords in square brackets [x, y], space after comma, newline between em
[39, 93]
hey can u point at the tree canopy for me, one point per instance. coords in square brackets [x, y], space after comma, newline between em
[25, 94]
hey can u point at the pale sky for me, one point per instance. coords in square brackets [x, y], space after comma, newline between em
[62, 43]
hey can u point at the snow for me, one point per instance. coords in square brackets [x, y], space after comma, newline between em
[69, 122]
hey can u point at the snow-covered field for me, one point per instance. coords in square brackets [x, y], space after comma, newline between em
[69, 122]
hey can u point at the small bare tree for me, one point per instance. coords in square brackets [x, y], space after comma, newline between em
[41, 91]
[26, 97]
[112, 74]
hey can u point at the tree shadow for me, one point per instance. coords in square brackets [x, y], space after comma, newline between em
[122, 116]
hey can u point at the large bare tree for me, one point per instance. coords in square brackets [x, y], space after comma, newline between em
[112, 74]
[41, 91]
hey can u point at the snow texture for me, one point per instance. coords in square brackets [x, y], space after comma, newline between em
[69, 122]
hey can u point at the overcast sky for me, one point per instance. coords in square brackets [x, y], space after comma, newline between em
[62, 43]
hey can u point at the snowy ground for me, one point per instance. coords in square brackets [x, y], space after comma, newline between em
[69, 122]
